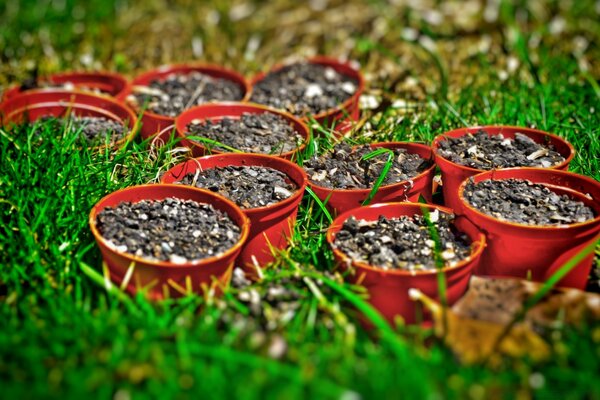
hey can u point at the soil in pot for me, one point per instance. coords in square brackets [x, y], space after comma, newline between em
[403, 243]
[344, 168]
[171, 230]
[263, 133]
[524, 202]
[304, 88]
[94, 130]
[247, 186]
[178, 92]
[485, 152]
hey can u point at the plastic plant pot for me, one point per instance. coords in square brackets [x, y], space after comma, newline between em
[340, 200]
[388, 289]
[163, 279]
[108, 83]
[270, 226]
[343, 117]
[520, 250]
[160, 126]
[454, 174]
[34, 104]
[233, 110]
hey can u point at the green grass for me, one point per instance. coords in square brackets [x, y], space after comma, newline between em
[62, 333]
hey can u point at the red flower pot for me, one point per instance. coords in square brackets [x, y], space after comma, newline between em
[454, 174]
[109, 83]
[270, 225]
[516, 249]
[233, 110]
[160, 125]
[388, 289]
[162, 278]
[34, 104]
[341, 118]
[341, 200]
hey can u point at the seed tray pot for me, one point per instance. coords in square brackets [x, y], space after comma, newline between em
[233, 110]
[108, 83]
[271, 225]
[388, 289]
[341, 200]
[35, 104]
[516, 250]
[162, 278]
[160, 126]
[454, 174]
[343, 117]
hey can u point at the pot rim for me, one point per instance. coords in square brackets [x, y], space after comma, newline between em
[132, 123]
[256, 210]
[179, 120]
[390, 145]
[525, 130]
[477, 245]
[198, 67]
[327, 61]
[245, 230]
[533, 228]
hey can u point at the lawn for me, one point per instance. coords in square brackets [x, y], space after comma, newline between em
[431, 67]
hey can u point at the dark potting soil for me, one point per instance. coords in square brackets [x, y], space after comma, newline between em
[248, 187]
[168, 230]
[343, 168]
[178, 92]
[304, 88]
[524, 202]
[485, 152]
[265, 133]
[402, 243]
[92, 129]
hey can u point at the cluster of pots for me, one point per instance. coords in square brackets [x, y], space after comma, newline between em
[498, 247]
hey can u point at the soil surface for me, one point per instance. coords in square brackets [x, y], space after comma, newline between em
[248, 187]
[265, 133]
[402, 243]
[178, 92]
[519, 200]
[94, 130]
[343, 167]
[168, 230]
[304, 88]
[488, 152]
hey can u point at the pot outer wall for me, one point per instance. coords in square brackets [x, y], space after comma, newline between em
[518, 250]
[388, 289]
[270, 226]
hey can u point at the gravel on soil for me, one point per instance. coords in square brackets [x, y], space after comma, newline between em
[172, 229]
[248, 187]
[92, 129]
[402, 243]
[482, 151]
[304, 88]
[343, 167]
[265, 133]
[178, 92]
[524, 202]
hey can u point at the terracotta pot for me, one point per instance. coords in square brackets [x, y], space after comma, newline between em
[388, 289]
[162, 126]
[162, 278]
[271, 225]
[109, 83]
[341, 118]
[340, 200]
[454, 174]
[34, 104]
[233, 110]
[516, 250]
